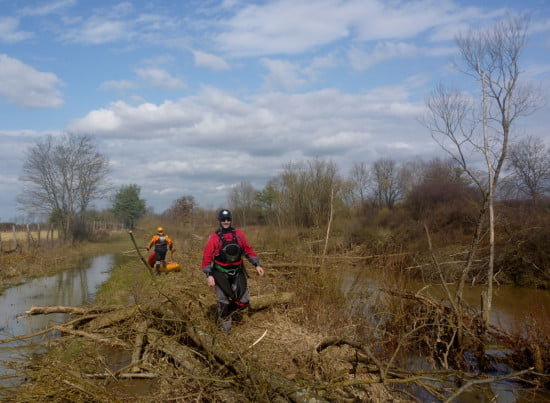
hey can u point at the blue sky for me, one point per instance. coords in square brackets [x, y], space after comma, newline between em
[193, 97]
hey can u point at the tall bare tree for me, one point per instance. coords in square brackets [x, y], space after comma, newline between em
[63, 175]
[491, 57]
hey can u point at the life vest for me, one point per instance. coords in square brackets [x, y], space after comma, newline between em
[230, 250]
[161, 244]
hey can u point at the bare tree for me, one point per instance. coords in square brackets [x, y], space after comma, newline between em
[412, 174]
[242, 200]
[63, 175]
[360, 179]
[529, 161]
[305, 191]
[491, 57]
[386, 182]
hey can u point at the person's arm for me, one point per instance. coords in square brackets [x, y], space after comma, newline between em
[150, 244]
[170, 242]
[208, 259]
[250, 254]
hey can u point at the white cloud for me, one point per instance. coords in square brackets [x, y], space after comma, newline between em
[99, 31]
[120, 85]
[159, 78]
[287, 27]
[22, 85]
[363, 60]
[210, 61]
[9, 32]
[282, 74]
[47, 8]
[294, 26]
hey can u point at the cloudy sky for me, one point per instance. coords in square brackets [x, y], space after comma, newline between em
[190, 97]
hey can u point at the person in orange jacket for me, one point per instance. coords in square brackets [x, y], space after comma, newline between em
[162, 243]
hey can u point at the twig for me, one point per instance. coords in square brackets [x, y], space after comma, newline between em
[257, 341]
[125, 375]
[488, 380]
[79, 388]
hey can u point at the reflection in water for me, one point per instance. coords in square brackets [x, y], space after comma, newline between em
[511, 307]
[73, 287]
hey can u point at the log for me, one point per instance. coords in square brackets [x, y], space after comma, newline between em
[181, 354]
[71, 310]
[45, 310]
[138, 345]
[263, 301]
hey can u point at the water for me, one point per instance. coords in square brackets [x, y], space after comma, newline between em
[73, 287]
[512, 307]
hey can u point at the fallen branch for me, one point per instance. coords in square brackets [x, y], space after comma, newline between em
[138, 345]
[44, 331]
[112, 341]
[71, 310]
[145, 263]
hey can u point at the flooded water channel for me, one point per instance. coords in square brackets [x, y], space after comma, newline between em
[72, 287]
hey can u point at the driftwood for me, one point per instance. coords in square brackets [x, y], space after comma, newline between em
[178, 333]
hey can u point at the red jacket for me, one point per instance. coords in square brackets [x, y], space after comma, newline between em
[214, 245]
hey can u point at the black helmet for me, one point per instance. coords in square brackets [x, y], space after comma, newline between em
[224, 215]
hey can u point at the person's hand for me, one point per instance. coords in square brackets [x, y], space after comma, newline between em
[210, 280]
[147, 249]
[260, 270]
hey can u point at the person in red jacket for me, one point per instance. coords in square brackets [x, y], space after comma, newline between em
[222, 262]
[162, 244]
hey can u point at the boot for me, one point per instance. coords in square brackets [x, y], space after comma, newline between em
[224, 317]
[157, 269]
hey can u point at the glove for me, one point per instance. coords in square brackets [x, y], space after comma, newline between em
[147, 249]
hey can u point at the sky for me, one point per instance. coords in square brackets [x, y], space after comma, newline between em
[192, 97]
